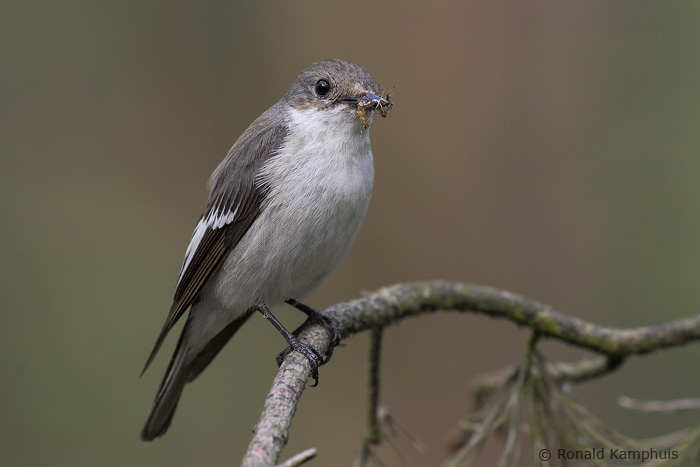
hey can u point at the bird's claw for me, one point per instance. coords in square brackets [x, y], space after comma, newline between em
[311, 354]
[327, 322]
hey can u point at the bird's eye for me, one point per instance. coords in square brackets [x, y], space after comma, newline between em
[322, 87]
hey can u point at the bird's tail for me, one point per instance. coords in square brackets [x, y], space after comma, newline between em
[168, 395]
[187, 363]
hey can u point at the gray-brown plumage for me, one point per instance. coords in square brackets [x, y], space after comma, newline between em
[284, 207]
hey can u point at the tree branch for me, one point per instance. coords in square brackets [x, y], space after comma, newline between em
[390, 304]
[372, 435]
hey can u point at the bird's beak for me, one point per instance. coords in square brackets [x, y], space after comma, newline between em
[368, 103]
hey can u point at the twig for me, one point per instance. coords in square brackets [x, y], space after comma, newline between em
[272, 429]
[390, 304]
[375, 346]
[300, 458]
[675, 405]
[582, 370]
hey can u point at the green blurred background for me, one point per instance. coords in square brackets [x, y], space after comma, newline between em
[547, 148]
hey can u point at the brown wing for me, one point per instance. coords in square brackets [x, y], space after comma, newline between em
[234, 204]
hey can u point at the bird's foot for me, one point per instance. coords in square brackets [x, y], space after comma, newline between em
[322, 319]
[314, 357]
[331, 325]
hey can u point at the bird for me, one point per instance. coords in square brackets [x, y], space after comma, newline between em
[284, 207]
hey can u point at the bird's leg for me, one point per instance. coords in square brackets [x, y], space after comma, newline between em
[306, 350]
[320, 318]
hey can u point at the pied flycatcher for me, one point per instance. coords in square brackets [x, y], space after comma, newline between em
[283, 209]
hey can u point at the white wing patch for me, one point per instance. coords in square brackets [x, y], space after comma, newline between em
[214, 220]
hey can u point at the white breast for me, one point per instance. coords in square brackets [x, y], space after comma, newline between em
[320, 187]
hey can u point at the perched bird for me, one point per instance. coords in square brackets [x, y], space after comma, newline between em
[283, 209]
